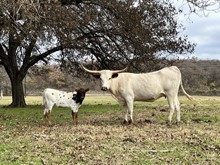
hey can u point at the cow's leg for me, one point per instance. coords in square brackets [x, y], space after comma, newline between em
[177, 108]
[130, 111]
[129, 103]
[126, 113]
[171, 108]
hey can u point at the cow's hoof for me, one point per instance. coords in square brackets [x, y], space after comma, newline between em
[125, 122]
[169, 123]
[178, 122]
[50, 125]
[129, 122]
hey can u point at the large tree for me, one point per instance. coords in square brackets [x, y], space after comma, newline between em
[204, 6]
[112, 33]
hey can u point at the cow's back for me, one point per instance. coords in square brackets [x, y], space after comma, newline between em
[170, 78]
[147, 86]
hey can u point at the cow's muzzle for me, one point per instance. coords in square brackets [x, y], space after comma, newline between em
[104, 89]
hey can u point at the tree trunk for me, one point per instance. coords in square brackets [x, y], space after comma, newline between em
[17, 93]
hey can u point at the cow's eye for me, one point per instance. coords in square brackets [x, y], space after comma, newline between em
[74, 97]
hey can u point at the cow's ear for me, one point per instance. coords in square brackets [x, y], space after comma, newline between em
[96, 75]
[87, 90]
[115, 75]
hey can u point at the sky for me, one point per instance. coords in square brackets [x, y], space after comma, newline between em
[204, 30]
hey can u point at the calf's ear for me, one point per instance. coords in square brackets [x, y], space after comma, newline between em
[74, 97]
[115, 75]
[87, 89]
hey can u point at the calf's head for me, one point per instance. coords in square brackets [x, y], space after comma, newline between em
[79, 95]
[105, 75]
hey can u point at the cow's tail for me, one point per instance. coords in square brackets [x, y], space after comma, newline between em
[186, 94]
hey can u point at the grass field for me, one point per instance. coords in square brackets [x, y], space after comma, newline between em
[101, 138]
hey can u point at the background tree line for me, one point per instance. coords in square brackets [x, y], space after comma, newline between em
[200, 77]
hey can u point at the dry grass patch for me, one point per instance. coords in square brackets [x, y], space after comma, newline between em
[101, 138]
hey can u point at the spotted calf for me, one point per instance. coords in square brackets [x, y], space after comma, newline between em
[59, 98]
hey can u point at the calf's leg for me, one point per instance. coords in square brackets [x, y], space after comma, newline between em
[47, 112]
[47, 118]
[75, 118]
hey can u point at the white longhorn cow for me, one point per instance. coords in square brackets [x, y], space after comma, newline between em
[130, 87]
[73, 100]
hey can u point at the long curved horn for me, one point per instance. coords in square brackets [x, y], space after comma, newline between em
[94, 72]
[118, 71]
